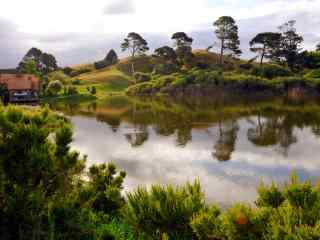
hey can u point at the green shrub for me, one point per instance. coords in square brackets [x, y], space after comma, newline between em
[313, 74]
[54, 87]
[166, 69]
[75, 81]
[269, 196]
[207, 224]
[242, 222]
[164, 209]
[70, 90]
[141, 77]
[271, 71]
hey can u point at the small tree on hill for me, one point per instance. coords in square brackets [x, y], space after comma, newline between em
[136, 44]
[167, 53]
[227, 33]
[290, 43]
[183, 46]
[265, 44]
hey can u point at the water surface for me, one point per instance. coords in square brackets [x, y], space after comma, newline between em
[230, 145]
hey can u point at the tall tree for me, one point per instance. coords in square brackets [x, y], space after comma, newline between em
[45, 62]
[227, 33]
[318, 47]
[136, 44]
[183, 45]
[266, 45]
[290, 43]
[167, 53]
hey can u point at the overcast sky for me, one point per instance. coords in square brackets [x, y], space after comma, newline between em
[78, 31]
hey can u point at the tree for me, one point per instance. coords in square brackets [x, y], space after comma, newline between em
[167, 53]
[265, 44]
[318, 47]
[290, 43]
[45, 62]
[227, 33]
[136, 44]
[110, 59]
[183, 47]
[30, 67]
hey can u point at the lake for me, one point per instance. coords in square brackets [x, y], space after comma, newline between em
[230, 144]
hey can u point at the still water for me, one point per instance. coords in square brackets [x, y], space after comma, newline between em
[230, 145]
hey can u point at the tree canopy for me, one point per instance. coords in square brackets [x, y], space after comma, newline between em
[135, 43]
[183, 47]
[266, 44]
[45, 62]
[290, 45]
[227, 33]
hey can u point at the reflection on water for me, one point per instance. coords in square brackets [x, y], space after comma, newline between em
[230, 145]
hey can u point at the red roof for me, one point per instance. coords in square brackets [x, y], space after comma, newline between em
[20, 82]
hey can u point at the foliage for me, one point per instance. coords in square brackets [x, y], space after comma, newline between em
[164, 210]
[135, 43]
[45, 63]
[266, 44]
[227, 33]
[271, 71]
[110, 59]
[315, 74]
[183, 45]
[290, 43]
[54, 87]
[141, 77]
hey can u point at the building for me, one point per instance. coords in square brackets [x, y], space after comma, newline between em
[19, 87]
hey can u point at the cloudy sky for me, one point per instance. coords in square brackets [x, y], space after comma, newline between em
[78, 31]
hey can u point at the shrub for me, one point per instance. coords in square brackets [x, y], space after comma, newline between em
[313, 74]
[70, 90]
[243, 222]
[75, 81]
[269, 196]
[166, 69]
[207, 223]
[141, 77]
[271, 71]
[164, 209]
[54, 87]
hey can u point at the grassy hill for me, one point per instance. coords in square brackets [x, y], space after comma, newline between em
[116, 79]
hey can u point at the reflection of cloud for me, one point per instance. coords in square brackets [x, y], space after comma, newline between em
[159, 160]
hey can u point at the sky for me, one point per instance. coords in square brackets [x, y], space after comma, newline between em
[81, 31]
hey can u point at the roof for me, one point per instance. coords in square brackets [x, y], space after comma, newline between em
[20, 81]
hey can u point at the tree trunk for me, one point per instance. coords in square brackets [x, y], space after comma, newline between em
[221, 51]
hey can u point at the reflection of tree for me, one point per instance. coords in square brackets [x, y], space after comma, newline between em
[273, 131]
[287, 138]
[225, 144]
[138, 137]
[264, 133]
[184, 135]
[113, 121]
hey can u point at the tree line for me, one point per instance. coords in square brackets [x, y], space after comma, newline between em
[282, 46]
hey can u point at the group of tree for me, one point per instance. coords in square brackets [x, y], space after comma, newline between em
[282, 46]
[44, 62]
